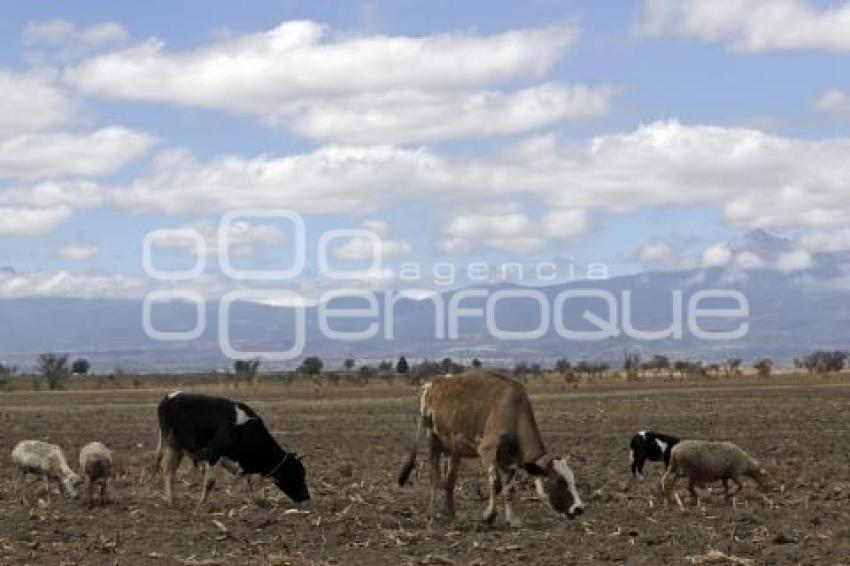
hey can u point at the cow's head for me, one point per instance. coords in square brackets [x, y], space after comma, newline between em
[556, 485]
[291, 477]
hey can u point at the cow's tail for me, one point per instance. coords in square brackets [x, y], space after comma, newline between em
[424, 424]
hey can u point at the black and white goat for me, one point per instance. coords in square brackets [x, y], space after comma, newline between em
[650, 445]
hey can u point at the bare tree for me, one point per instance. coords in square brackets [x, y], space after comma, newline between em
[54, 369]
[631, 364]
[402, 366]
[733, 367]
[246, 370]
[311, 366]
[6, 372]
[763, 367]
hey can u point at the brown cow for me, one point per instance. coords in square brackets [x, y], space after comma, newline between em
[487, 415]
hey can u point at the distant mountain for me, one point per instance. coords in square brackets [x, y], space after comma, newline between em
[789, 316]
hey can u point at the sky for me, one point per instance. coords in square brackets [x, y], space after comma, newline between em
[635, 135]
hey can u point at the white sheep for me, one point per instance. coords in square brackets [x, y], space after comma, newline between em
[48, 461]
[704, 462]
[96, 464]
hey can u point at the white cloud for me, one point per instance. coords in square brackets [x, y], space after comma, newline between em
[69, 284]
[755, 179]
[245, 239]
[794, 261]
[78, 252]
[837, 240]
[261, 72]
[64, 32]
[510, 231]
[331, 179]
[834, 103]
[26, 221]
[43, 155]
[564, 224]
[751, 25]
[360, 249]
[74, 194]
[748, 260]
[358, 89]
[658, 254]
[417, 116]
[718, 255]
[29, 102]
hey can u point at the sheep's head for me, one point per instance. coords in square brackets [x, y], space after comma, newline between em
[71, 485]
[760, 475]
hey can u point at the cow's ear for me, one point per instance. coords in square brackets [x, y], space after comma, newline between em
[533, 469]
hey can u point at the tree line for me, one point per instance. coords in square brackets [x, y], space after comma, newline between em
[54, 369]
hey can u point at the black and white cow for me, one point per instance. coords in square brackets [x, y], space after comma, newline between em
[649, 445]
[210, 429]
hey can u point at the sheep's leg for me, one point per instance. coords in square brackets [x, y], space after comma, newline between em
[728, 496]
[87, 496]
[511, 483]
[21, 481]
[104, 492]
[46, 488]
[451, 479]
[434, 458]
[738, 486]
[668, 480]
[170, 463]
[495, 488]
[693, 492]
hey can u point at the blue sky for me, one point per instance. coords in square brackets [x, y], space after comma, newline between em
[641, 135]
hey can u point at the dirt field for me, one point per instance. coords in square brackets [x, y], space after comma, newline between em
[354, 439]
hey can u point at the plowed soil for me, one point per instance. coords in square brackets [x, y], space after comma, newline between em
[354, 439]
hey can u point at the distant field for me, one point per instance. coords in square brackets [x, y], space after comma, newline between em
[354, 438]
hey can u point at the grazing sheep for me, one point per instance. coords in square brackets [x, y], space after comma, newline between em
[48, 461]
[704, 462]
[96, 464]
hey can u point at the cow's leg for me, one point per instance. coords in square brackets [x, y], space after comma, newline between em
[160, 445]
[495, 488]
[170, 462]
[209, 483]
[511, 482]
[434, 450]
[451, 479]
